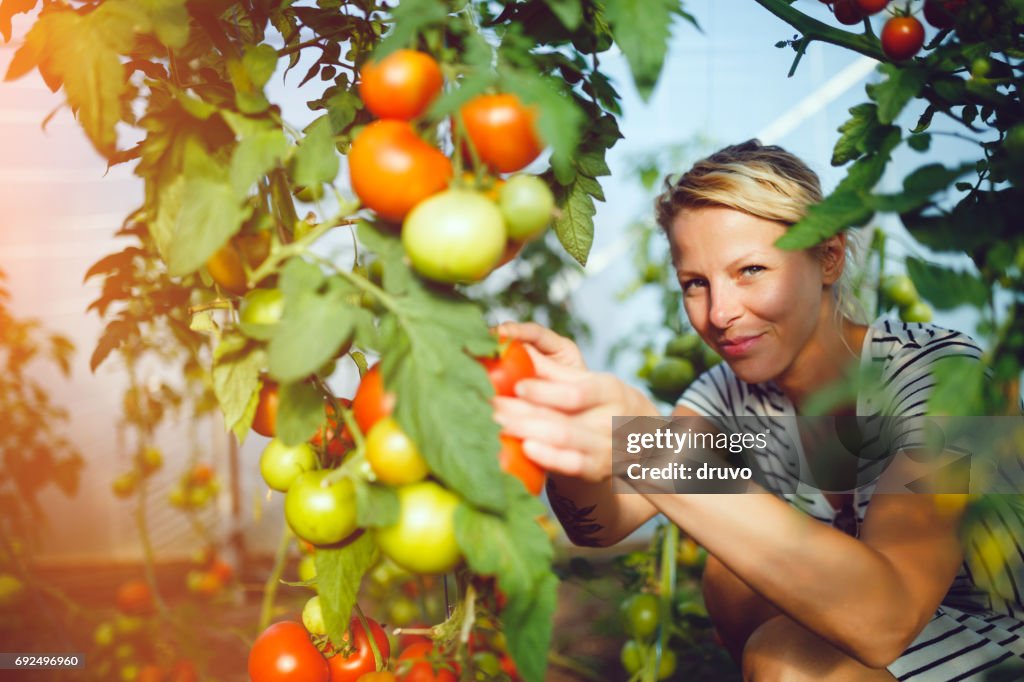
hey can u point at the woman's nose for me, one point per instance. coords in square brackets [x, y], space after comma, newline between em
[724, 306]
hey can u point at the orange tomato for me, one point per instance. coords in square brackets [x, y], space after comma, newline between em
[502, 131]
[264, 422]
[392, 169]
[402, 85]
[371, 403]
[512, 460]
[225, 265]
[134, 598]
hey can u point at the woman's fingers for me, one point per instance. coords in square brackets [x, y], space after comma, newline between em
[556, 460]
[550, 344]
[573, 392]
[552, 429]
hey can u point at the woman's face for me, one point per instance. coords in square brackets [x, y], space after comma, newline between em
[756, 305]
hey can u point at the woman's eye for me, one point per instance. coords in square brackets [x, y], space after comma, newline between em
[752, 269]
[691, 283]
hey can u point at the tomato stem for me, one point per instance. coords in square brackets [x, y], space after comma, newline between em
[378, 660]
[812, 29]
[270, 587]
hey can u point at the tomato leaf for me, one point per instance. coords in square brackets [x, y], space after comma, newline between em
[410, 18]
[113, 336]
[237, 364]
[527, 623]
[946, 288]
[575, 225]
[300, 412]
[254, 157]
[376, 505]
[169, 19]
[642, 28]
[339, 572]
[860, 134]
[903, 84]
[8, 8]
[959, 385]
[317, 161]
[918, 188]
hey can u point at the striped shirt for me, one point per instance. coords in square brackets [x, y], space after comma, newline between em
[972, 631]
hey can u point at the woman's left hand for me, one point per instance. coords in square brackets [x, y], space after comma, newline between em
[564, 417]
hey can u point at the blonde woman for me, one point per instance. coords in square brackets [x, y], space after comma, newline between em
[800, 587]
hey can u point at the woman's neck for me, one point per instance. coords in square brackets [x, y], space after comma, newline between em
[825, 360]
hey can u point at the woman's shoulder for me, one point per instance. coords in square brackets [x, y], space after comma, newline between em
[904, 346]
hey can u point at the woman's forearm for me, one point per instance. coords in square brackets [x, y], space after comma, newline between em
[834, 585]
[592, 515]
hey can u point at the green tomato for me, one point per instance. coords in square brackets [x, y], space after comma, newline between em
[918, 312]
[670, 377]
[527, 204]
[455, 236]
[104, 634]
[1014, 142]
[683, 346]
[667, 666]
[320, 515]
[402, 611]
[260, 312]
[632, 657]
[640, 615]
[313, 617]
[423, 539]
[281, 464]
[307, 568]
[900, 290]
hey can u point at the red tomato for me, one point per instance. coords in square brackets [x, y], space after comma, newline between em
[514, 461]
[359, 661]
[222, 570]
[423, 664]
[371, 403]
[134, 598]
[150, 673]
[337, 446]
[847, 12]
[402, 85]
[902, 38]
[392, 169]
[942, 13]
[502, 131]
[382, 676]
[872, 6]
[283, 653]
[201, 474]
[512, 364]
[264, 422]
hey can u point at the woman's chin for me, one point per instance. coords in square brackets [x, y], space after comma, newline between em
[749, 370]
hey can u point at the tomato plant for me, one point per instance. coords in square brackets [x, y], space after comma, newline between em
[902, 38]
[455, 236]
[393, 170]
[423, 539]
[371, 403]
[847, 12]
[392, 455]
[512, 364]
[320, 513]
[338, 444]
[284, 653]
[402, 85]
[502, 131]
[869, 7]
[357, 659]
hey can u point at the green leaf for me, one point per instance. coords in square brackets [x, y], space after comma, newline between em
[959, 387]
[254, 157]
[410, 18]
[919, 143]
[259, 62]
[642, 28]
[300, 412]
[377, 505]
[946, 288]
[903, 84]
[918, 188]
[169, 19]
[527, 623]
[237, 364]
[314, 327]
[575, 225]
[860, 134]
[339, 572]
[569, 12]
[837, 212]
[316, 160]
[341, 110]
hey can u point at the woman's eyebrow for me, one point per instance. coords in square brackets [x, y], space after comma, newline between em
[751, 255]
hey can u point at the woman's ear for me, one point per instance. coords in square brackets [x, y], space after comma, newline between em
[832, 253]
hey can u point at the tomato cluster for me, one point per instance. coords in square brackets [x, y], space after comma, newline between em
[682, 360]
[903, 35]
[453, 232]
[196, 488]
[899, 291]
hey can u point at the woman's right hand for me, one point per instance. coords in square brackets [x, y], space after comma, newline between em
[543, 344]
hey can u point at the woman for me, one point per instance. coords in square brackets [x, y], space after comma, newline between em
[844, 587]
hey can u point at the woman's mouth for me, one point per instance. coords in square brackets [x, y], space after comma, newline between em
[739, 345]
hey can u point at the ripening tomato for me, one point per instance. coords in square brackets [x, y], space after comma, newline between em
[226, 264]
[183, 670]
[201, 474]
[260, 312]
[872, 6]
[281, 464]
[502, 131]
[371, 403]
[264, 422]
[420, 663]
[511, 459]
[337, 445]
[455, 236]
[392, 169]
[847, 12]
[134, 598]
[392, 455]
[527, 204]
[402, 85]
[284, 653]
[359, 660]
[378, 676]
[512, 364]
[423, 538]
[320, 514]
[150, 673]
[902, 38]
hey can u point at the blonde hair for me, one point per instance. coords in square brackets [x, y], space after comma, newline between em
[765, 181]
